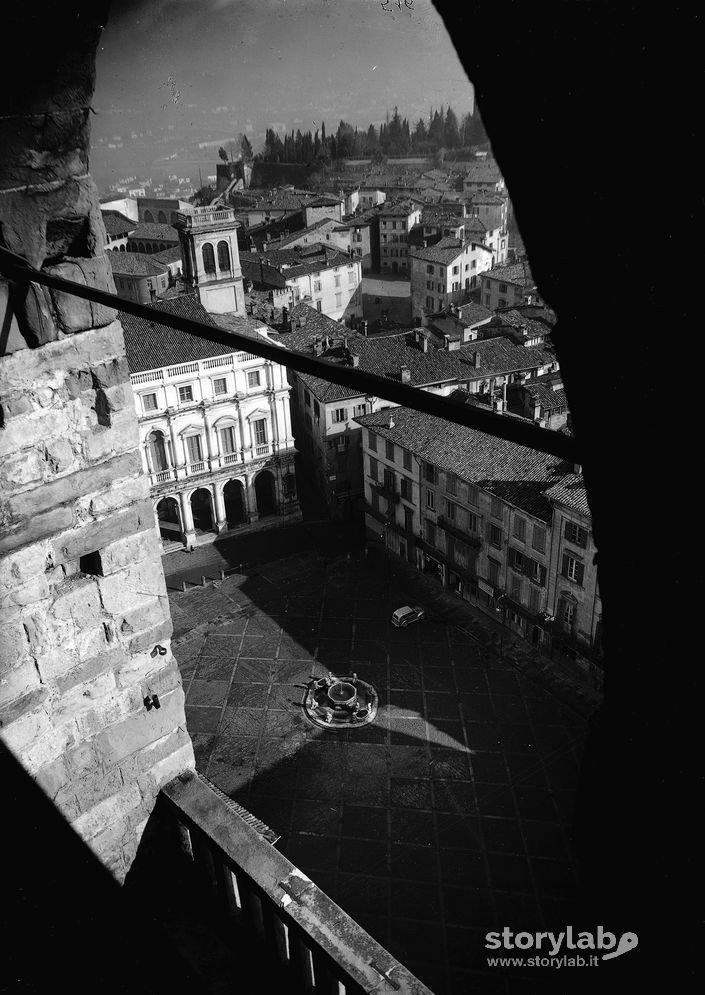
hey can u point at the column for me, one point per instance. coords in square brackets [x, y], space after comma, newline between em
[275, 440]
[244, 441]
[209, 453]
[252, 513]
[175, 451]
[187, 520]
[219, 501]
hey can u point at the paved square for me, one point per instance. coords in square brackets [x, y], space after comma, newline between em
[445, 818]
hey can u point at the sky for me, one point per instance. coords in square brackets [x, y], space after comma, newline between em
[239, 66]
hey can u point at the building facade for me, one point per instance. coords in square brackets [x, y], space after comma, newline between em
[328, 279]
[444, 273]
[508, 287]
[324, 207]
[138, 277]
[395, 223]
[160, 210]
[352, 237]
[491, 208]
[488, 520]
[483, 176]
[215, 432]
[574, 596]
[371, 197]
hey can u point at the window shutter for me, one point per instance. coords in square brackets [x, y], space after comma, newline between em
[542, 576]
[580, 573]
[564, 566]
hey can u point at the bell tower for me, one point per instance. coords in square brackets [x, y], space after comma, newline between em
[211, 259]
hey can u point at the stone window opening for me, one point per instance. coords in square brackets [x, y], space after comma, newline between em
[224, 257]
[208, 258]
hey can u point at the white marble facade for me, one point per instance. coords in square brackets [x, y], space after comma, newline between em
[217, 444]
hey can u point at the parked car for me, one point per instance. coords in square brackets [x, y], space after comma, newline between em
[404, 616]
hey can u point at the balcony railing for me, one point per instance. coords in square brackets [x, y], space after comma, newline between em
[161, 475]
[17, 269]
[258, 891]
[263, 450]
[206, 216]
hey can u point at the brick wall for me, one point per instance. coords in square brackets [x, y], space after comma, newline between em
[82, 595]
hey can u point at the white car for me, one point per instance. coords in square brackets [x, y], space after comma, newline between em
[404, 616]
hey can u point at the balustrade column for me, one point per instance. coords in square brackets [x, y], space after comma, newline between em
[187, 520]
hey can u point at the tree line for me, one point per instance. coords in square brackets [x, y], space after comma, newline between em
[394, 137]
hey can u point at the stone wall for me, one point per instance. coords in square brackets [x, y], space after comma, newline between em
[83, 604]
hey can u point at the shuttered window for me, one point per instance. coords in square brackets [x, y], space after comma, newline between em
[538, 540]
[573, 569]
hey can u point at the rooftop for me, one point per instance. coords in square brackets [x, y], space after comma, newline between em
[521, 476]
[160, 233]
[170, 255]
[281, 265]
[135, 264]
[327, 200]
[386, 354]
[483, 171]
[116, 224]
[570, 492]
[402, 209]
[518, 273]
[474, 313]
[444, 251]
[331, 223]
[151, 346]
[546, 396]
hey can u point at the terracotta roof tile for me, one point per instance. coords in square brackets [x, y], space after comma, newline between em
[521, 476]
[135, 264]
[156, 232]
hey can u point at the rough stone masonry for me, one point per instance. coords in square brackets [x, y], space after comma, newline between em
[83, 603]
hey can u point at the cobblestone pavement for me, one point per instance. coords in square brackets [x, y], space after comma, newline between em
[447, 817]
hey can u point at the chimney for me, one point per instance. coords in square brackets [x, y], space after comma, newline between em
[504, 393]
[446, 342]
[363, 325]
[354, 360]
[405, 374]
[285, 314]
[476, 359]
[261, 268]
[424, 344]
